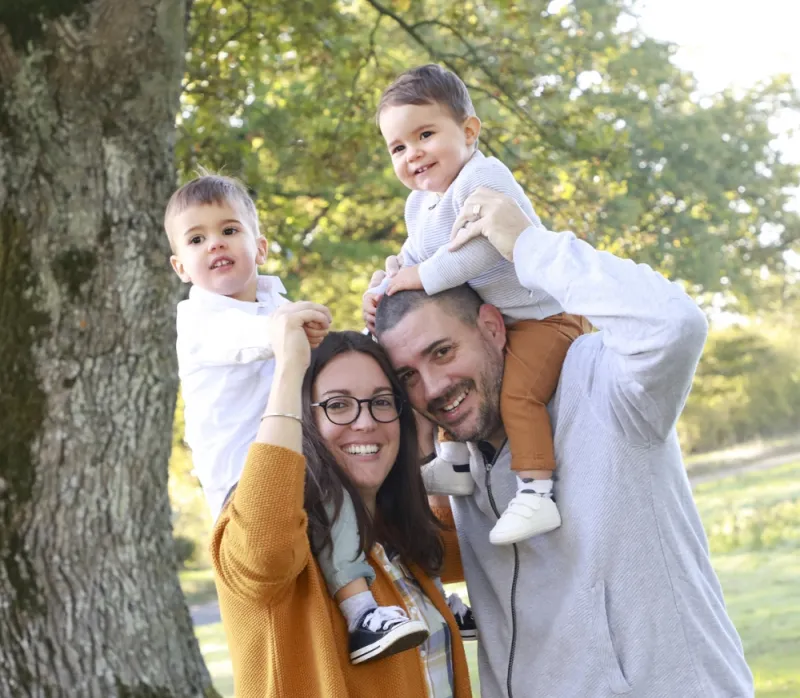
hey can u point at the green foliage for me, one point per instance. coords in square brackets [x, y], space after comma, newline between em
[606, 135]
[747, 385]
[185, 551]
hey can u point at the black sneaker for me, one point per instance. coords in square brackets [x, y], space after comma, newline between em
[383, 631]
[463, 613]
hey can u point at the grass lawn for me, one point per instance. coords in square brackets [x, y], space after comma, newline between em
[753, 522]
[198, 586]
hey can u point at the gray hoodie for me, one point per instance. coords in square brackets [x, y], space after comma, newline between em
[622, 599]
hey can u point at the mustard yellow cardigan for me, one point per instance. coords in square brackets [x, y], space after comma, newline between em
[286, 635]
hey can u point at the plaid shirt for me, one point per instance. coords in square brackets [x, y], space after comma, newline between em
[437, 651]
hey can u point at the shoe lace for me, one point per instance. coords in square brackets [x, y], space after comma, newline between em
[383, 617]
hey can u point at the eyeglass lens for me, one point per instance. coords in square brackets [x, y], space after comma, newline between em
[345, 410]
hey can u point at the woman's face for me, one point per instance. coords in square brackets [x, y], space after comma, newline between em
[365, 449]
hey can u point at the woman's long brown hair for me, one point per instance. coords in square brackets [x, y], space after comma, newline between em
[403, 519]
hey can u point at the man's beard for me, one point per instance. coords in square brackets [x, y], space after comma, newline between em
[489, 420]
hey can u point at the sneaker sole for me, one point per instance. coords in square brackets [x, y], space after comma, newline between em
[518, 536]
[469, 634]
[405, 637]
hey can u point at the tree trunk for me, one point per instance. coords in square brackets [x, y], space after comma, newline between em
[90, 603]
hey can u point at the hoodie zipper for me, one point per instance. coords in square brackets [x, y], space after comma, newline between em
[488, 467]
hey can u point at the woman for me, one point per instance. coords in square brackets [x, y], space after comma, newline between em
[285, 632]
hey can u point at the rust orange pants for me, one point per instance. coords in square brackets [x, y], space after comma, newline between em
[535, 353]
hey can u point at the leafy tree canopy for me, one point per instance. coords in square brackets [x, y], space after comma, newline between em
[606, 135]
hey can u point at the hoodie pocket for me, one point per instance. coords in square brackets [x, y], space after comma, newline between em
[605, 647]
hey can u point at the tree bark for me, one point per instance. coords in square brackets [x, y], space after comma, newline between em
[90, 603]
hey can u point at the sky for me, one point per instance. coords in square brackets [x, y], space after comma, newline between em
[734, 43]
[731, 43]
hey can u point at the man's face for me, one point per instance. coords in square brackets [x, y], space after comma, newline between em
[452, 371]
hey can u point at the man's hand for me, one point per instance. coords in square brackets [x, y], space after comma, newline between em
[491, 214]
[407, 279]
[369, 303]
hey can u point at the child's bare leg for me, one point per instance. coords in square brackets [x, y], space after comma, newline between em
[534, 474]
[357, 586]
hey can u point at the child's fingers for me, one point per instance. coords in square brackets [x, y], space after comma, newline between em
[393, 264]
[377, 277]
[396, 283]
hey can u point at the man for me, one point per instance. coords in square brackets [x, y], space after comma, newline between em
[622, 598]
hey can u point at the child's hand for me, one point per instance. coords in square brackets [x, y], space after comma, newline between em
[316, 332]
[290, 319]
[407, 279]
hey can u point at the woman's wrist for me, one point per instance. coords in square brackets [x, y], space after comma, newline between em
[290, 372]
[285, 392]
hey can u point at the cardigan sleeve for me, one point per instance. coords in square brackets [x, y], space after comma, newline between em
[259, 545]
[452, 569]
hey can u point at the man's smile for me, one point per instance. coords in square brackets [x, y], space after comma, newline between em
[454, 407]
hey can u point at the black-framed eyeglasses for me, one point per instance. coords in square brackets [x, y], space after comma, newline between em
[345, 409]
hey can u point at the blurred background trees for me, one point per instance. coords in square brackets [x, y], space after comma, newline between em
[607, 136]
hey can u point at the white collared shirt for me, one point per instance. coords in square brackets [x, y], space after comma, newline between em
[226, 364]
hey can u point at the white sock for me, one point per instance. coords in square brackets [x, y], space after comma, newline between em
[355, 607]
[542, 487]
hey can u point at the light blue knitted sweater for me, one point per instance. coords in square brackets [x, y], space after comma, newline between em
[622, 599]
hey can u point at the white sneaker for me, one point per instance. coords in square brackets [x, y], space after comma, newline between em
[440, 477]
[528, 514]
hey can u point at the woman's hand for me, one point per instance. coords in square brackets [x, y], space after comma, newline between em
[491, 214]
[281, 423]
[289, 332]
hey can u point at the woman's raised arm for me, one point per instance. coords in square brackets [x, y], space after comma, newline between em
[259, 546]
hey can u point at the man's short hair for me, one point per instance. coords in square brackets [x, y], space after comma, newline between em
[216, 189]
[461, 301]
[429, 84]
